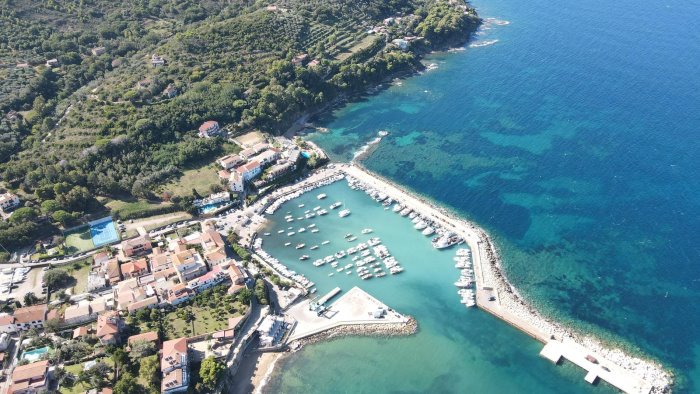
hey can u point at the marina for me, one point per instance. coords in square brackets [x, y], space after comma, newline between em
[477, 284]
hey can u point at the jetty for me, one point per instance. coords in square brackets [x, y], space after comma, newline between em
[328, 296]
[496, 296]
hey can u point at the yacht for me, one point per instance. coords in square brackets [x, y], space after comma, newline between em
[405, 211]
[463, 282]
[336, 205]
[367, 231]
[421, 225]
[280, 231]
[314, 247]
[317, 208]
[428, 231]
[267, 234]
[340, 254]
[446, 240]
[304, 257]
[322, 212]
[310, 215]
[331, 274]
[300, 246]
[413, 215]
[397, 207]
[348, 235]
[314, 230]
[289, 234]
[321, 196]
[312, 225]
[301, 230]
[290, 220]
[325, 242]
[351, 239]
[301, 205]
[344, 213]
[287, 243]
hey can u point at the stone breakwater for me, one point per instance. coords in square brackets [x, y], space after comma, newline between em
[407, 328]
[512, 307]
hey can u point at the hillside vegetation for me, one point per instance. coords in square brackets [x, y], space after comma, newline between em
[99, 123]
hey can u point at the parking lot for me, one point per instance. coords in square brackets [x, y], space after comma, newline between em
[15, 283]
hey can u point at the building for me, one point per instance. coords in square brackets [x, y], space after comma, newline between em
[8, 202]
[266, 157]
[313, 64]
[151, 337]
[230, 161]
[30, 317]
[98, 51]
[179, 294]
[278, 170]
[157, 61]
[170, 91]
[109, 326]
[189, 265]
[248, 153]
[249, 171]
[236, 183]
[209, 129]
[78, 314]
[134, 269]
[30, 378]
[52, 63]
[137, 246]
[128, 292]
[148, 302]
[208, 280]
[112, 271]
[299, 60]
[174, 366]
[216, 256]
[271, 330]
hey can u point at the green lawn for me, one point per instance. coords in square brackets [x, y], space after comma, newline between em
[78, 240]
[208, 319]
[201, 179]
[78, 270]
[136, 208]
[75, 369]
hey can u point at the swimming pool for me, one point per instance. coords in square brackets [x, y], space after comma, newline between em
[35, 354]
[209, 208]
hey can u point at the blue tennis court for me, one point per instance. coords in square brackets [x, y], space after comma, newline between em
[103, 232]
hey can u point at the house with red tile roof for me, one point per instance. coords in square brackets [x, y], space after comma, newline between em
[151, 337]
[174, 365]
[30, 317]
[7, 323]
[109, 326]
[134, 269]
[137, 246]
[209, 129]
[30, 378]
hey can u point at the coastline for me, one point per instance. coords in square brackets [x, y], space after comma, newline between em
[513, 308]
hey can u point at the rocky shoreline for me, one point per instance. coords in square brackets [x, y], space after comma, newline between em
[410, 327]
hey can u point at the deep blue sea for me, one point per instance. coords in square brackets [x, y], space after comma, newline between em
[574, 140]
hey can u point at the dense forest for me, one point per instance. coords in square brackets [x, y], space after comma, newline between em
[97, 121]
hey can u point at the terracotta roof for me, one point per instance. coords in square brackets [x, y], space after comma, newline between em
[247, 167]
[6, 319]
[106, 326]
[211, 239]
[80, 331]
[29, 372]
[76, 311]
[172, 379]
[134, 266]
[146, 302]
[30, 313]
[150, 336]
[207, 125]
[216, 254]
[172, 352]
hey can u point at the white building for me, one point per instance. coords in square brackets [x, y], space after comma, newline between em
[236, 183]
[8, 202]
[249, 171]
[271, 330]
[266, 157]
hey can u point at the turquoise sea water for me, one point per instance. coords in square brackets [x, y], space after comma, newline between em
[574, 141]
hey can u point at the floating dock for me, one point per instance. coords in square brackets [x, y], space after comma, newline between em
[328, 296]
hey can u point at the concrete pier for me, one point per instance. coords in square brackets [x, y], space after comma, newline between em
[328, 296]
[499, 300]
[595, 366]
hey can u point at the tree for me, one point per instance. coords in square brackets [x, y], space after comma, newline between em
[141, 349]
[24, 214]
[30, 299]
[97, 376]
[120, 358]
[127, 384]
[52, 325]
[149, 371]
[245, 295]
[55, 279]
[62, 217]
[209, 371]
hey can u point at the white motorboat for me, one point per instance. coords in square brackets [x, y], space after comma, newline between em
[321, 196]
[366, 231]
[344, 213]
